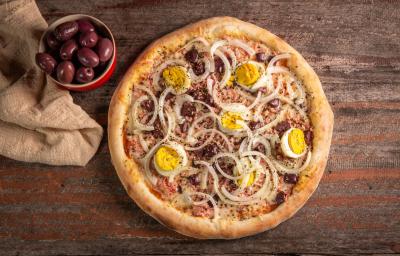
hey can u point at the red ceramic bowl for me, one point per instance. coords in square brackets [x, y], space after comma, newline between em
[105, 32]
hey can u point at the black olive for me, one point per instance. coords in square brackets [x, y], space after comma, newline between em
[290, 178]
[192, 55]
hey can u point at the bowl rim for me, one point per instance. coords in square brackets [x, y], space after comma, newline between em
[74, 17]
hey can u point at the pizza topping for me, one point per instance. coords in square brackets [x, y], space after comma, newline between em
[194, 179]
[167, 158]
[227, 67]
[188, 109]
[199, 68]
[280, 198]
[229, 121]
[184, 127]
[308, 136]
[219, 65]
[237, 162]
[281, 127]
[274, 103]
[170, 157]
[247, 74]
[261, 57]
[157, 132]
[293, 144]
[202, 94]
[192, 55]
[250, 175]
[209, 151]
[147, 105]
[254, 125]
[290, 178]
[177, 78]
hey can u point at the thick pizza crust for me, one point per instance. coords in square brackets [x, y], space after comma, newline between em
[134, 181]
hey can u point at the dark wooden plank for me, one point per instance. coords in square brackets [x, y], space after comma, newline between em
[354, 47]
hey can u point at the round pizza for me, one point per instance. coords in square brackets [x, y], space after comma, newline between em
[220, 130]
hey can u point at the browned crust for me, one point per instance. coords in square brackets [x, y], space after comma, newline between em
[134, 182]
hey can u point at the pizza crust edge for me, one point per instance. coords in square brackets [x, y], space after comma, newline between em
[135, 183]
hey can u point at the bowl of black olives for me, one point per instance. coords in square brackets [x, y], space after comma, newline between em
[77, 52]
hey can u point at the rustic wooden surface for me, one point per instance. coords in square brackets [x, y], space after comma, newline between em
[355, 49]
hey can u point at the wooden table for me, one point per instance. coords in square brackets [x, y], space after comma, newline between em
[355, 49]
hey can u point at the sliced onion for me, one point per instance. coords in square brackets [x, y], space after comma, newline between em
[278, 69]
[245, 94]
[256, 101]
[189, 137]
[246, 128]
[215, 46]
[161, 104]
[285, 169]
[263, 101]
[210, 83]
[291, 103]
[276, 58]
[201, 40]
[277, 119]
[231, 55]
[228, 143]
[261, 82]
[134, 115]
[301, 95]
[204, 179]
[209, 198]
[227, 73]
[275, 177]
[205, 143]
[153, 98]
[263, 141]
[237, 162]
[146, 163]
[256, 196]
[214, 175]
[143, 142]
[238, 43]
[205, 105]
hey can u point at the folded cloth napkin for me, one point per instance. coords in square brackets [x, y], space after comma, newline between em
[38, 121]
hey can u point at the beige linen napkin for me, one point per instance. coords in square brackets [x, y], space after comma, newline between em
[38, 121]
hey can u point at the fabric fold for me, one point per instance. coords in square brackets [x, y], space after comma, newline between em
[38, 121]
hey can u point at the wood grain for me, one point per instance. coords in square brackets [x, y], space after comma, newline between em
[354, 46]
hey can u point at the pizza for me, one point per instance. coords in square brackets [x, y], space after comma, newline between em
[220, 130]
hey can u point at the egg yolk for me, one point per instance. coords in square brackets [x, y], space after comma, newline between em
[296, 141]
[249, 182]
[230, 81]
[229, 120]
[167, 158]
[175, 77]
[247, 74]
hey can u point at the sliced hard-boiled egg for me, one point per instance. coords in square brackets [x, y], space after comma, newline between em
[248, 73]
[293, 143]
[251, 168]
[231, 122]
[170, 157]
[177, 77]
